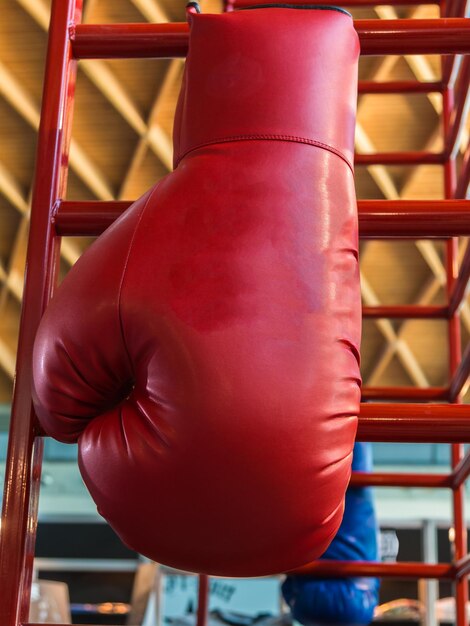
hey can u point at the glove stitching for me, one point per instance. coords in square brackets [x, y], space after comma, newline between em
[292, 138]
[124, 271]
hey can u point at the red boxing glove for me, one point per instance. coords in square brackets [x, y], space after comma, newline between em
[204, 351]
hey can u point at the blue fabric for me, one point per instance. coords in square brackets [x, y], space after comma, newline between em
[348, 600]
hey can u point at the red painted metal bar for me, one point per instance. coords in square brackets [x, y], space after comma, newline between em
[450, 175]
[31, 525]
[203, 601]
[24, 452]
[108, 41]
[460, 376]
[418, 423]
[461, 471]
[413, 218]
[449, 70]
[405, 311]
[342, 569]
[462, 566]
[425, 481]
[457, 453]
[399, 158]
[86, 218]
[457, 8]
[460, 111]
[414, 394]
[406, 36]
[413, 36]
[460, 285]
[460, 542]
[399, 86]
[464, 178]
[377, 218]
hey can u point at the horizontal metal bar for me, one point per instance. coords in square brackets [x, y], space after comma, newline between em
[405, 36]
[343, 569]
[125, 41]
[388, 479]
[414, 218]
[88, 219]
[406, 311]
[377, 218]
[460, 377]
[400, 158]
[415, 394]
[398, 86]
[414, 423]
[456, 8]
[461, 471]
[413, 36]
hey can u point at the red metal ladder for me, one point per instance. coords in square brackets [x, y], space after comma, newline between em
[51, 218]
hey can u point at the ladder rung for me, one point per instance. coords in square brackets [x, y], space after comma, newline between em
[413, 218]
[415, 394]
[389, 479]
[405, 311]
[408, 569]
[414, 423]
[377, 218]
[400, 158]
[399, 86]
[404, 36]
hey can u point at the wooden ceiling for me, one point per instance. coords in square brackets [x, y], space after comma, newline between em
[122, 145]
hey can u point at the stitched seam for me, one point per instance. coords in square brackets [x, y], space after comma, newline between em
[308, 7]
[124, 271]
[291, 138]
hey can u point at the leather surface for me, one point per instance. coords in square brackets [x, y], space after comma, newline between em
[204, 350]
[343, 600]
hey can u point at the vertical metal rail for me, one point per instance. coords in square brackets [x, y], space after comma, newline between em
[23, 468]
[450, 63]
[203, 600]
[457, 450]
[455, 352]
